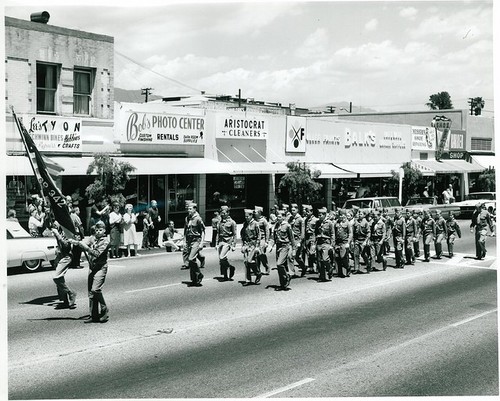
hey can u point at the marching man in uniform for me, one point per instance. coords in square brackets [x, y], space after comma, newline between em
[310, 237]
[250, 236]
[264, 239]
[195, 237]
[283, 239]
[481, 220]
[225, 241]
[325, 241]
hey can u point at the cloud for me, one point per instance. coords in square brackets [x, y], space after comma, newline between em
[409, 12]
[371, 25]
[315, 45]
[456, 25]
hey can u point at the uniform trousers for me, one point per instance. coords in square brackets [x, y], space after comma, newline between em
[250, 255]
[409, 255]
[362, 249]
[342, 260]
[282, 257]
[427, 238]
[95, 283]
[398, 250]
[193, 248]
[62, 265]
[262, 257]
[438, 244]
[310, 253]
[324, 252]
[223, 249]
[377, 252]
[450, 242]
[481, 242]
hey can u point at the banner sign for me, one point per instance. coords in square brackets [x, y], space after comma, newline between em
[241, 126]
[54, 133]
[423, 138]
[162, 128]
[295, 140]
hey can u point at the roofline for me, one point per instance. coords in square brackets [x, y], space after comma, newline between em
[40, 27]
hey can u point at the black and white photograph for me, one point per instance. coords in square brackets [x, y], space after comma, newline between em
[249, 199]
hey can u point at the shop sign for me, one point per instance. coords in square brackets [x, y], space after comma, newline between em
[295, 140]
[456, 155]
[54, 133]
[155, 128]
[455, 140]
[423, 138]
[241, 126]
[342, 142]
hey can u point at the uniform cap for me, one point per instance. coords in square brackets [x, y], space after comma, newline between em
[193, 204]
[248, 211]
[284, 205]
[100, 224]
[259, 209]
[322, 210]
[224, 208]
[307, 207]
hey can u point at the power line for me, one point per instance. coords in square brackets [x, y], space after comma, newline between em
[157, 73]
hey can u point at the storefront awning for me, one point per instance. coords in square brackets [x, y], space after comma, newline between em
[432, 167]
[256, 168]
[19, 165]
[371, 170]
[485, 161]
[329, 170]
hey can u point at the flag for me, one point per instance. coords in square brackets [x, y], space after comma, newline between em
[41, 169]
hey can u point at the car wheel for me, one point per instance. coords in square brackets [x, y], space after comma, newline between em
[33, 264]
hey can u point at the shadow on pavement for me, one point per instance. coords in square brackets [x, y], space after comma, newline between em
[48, 301]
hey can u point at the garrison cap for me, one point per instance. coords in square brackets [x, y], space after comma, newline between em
[100, 224]
[284, 205]
[248, 211]
[307, 207]
[322, 210]
[224, 208]
[259, 209]
[193, 204]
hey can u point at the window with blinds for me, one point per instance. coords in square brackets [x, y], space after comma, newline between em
[82, 91]
[481, 144]
[46, 88]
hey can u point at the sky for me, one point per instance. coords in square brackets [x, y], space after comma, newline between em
[383, 55]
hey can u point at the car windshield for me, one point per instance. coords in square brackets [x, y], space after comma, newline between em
[420, 201]
[482, 195]
[361, 203]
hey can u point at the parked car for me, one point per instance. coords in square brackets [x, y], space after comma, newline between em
[468, 205]
[27, 251]
[431, 205]
[377, 202]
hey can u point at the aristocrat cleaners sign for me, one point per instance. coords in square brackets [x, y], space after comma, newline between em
[241, 126]
[163, 128]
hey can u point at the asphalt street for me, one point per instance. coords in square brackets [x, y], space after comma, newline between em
[426, 330]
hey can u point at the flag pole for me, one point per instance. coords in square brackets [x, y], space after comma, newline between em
[49, 216]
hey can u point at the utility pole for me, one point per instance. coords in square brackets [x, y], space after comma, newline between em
[147, 92]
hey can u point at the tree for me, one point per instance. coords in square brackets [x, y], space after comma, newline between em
[440, 101]
[476, 105]
[412, 182]
[486, 181]
[112, 176]
[298, 185]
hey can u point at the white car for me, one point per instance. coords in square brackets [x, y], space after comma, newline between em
[27, 251]
[468, 205]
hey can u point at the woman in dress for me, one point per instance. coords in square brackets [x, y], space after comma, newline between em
[129, 231]
[115, 220]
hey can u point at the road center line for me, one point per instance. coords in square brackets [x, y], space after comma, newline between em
[286, 388]
[470, 319]
[153, 288]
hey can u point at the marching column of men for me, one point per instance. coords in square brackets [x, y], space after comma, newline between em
[327, 244]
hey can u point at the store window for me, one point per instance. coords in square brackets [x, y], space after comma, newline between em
[82, 91]
[481, 144]
[180, 189]
[226, 190]
[46, 88]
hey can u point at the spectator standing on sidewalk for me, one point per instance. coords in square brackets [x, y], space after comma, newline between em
[129, 230]
[154, 215]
